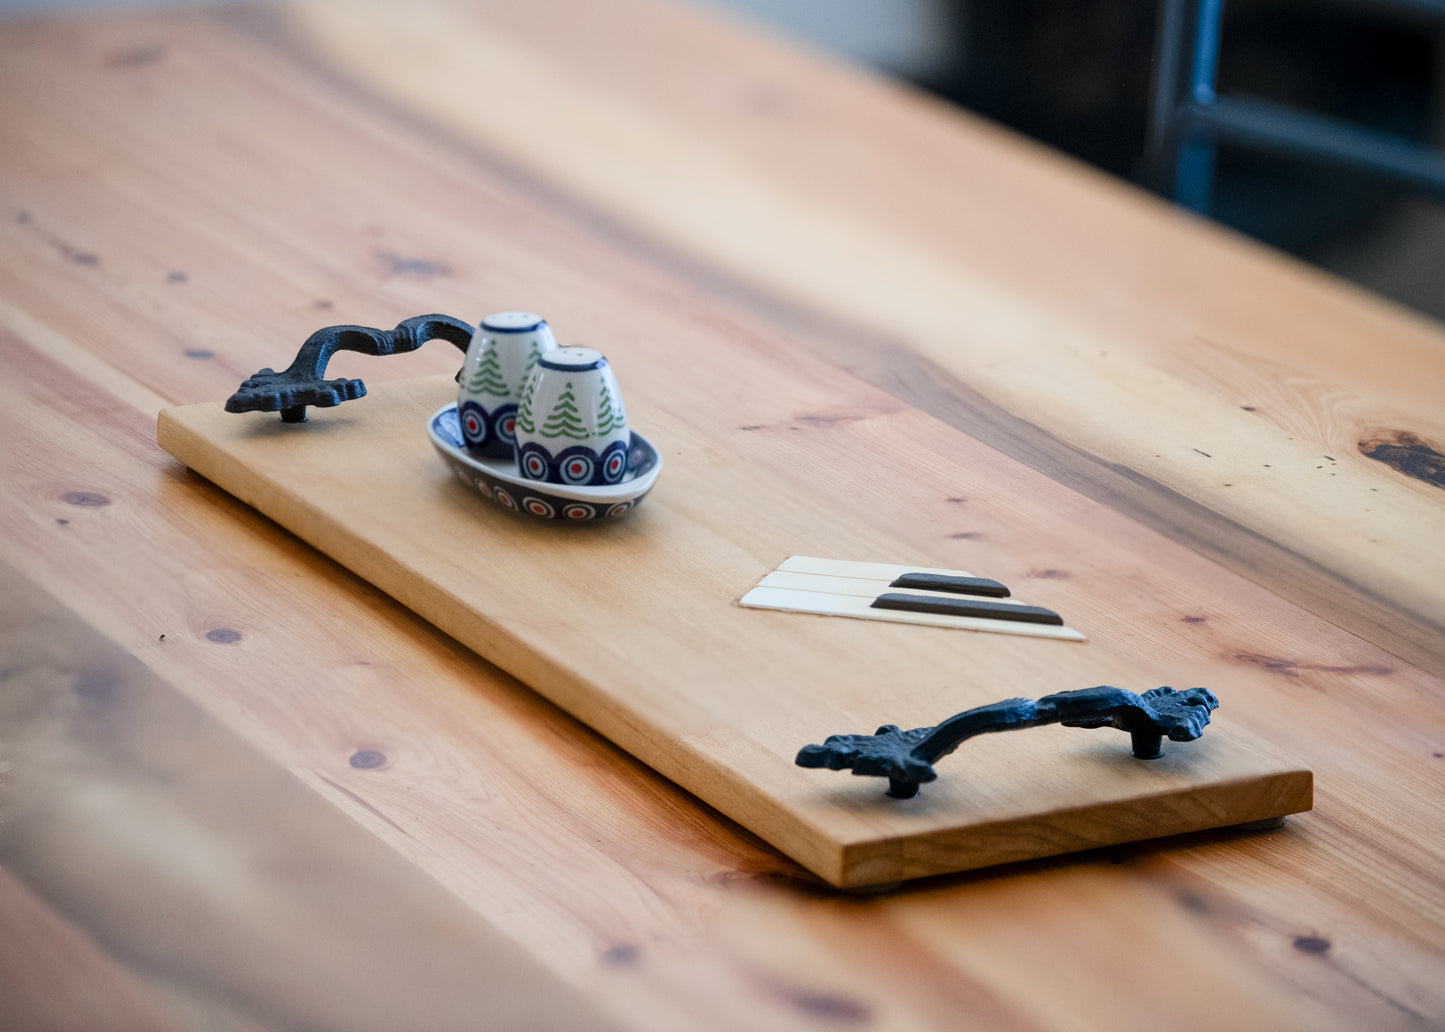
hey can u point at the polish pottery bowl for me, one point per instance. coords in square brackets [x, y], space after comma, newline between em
[500, 481]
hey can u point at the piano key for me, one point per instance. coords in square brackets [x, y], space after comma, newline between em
[975, 607]
[956, 585]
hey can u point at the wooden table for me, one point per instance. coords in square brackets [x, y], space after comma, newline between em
[246, 790]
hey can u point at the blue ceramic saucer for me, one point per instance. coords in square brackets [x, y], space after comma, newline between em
[501, 483]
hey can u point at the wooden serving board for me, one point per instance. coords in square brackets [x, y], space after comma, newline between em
[634, 627]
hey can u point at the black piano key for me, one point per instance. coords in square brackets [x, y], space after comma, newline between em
[957, 585]
[967, 607]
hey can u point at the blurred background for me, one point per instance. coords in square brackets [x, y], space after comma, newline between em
[1324, 139]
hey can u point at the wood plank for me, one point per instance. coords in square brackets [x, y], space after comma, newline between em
[54, 976]
[597, 867]
[201, 885]
[631, 628]
[677, 919]
[1208, 387]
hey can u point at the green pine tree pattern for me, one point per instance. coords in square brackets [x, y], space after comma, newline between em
[487, 377]
[564, 420]
[524, 407]
[610, 416]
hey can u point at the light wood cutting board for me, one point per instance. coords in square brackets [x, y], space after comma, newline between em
[633, 626]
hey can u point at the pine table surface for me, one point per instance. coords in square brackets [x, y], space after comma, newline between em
[244, 789]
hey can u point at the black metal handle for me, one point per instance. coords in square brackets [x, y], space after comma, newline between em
[304, 381]
[906, 758]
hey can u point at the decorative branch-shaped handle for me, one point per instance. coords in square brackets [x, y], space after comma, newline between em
[304, 381]
[906, 758]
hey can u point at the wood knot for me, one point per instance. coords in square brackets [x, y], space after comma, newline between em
[1405, 453]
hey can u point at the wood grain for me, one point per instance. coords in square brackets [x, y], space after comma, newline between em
[186, 196]
[633, 628]
[1222, 394]
[203, 887]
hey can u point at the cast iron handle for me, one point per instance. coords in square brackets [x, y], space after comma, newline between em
[906, 758]
[304, 381]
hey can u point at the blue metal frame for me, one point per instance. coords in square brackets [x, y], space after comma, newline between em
[1184, 132]
[1194, 162]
